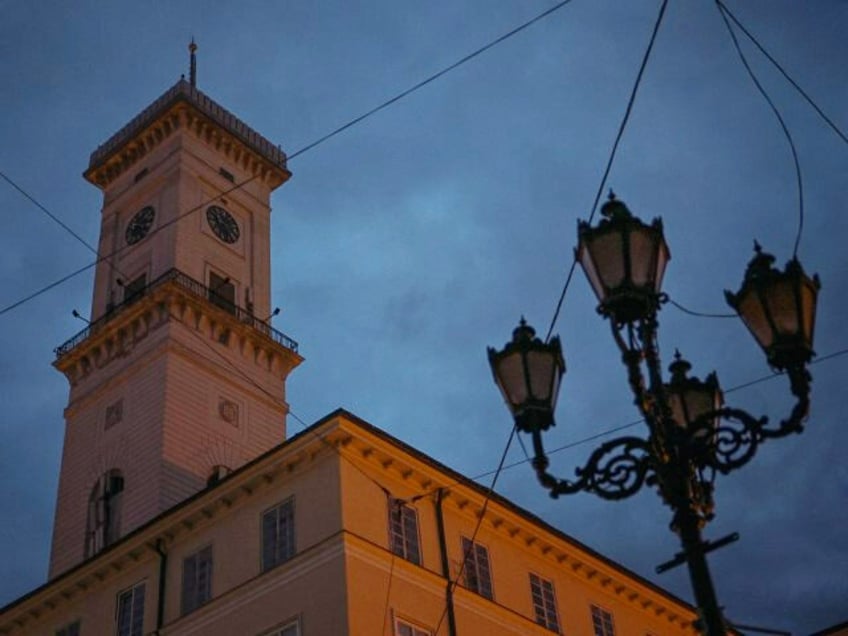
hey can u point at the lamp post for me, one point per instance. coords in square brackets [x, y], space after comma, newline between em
[692, 435]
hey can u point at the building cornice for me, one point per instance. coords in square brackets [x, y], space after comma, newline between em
[374, 450]
[184, 107]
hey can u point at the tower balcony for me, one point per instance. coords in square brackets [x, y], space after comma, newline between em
[172, 296]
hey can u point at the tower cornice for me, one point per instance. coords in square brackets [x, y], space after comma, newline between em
[174, 297]
[184, 107]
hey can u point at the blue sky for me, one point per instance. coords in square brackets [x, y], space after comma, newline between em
[405, 246]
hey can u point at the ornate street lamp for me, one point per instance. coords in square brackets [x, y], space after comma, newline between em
[624, 260]
[779, 309]
[692, 435]
[528, 373]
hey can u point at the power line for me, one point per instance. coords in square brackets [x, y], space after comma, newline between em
[700, 314]
[613, 151]
[783, 72]
[117, 251]
[783, 126]
[431, 78]
[302, 150]
[616, 429]
[453, 582]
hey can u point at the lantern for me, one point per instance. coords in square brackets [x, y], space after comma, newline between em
[528, 372]
[779, 309]
[624, 260]
[690, 399]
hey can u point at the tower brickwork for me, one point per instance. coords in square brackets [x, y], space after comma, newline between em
[179, 378]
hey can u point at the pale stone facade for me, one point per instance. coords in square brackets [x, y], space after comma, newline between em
[181, 509]
[199, 384]
[343, 577]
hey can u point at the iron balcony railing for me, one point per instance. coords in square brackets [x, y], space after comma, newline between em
[195, 288]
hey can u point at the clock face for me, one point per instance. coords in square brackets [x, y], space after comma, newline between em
[223, 224]
[140, 225]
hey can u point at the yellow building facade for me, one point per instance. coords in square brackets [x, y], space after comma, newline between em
[183, 508]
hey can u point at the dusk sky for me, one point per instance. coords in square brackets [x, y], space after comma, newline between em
[404, 246]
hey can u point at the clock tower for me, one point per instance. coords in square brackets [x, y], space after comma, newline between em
[179, 378]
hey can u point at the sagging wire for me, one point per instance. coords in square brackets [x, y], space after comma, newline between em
[613, 152]
[783, 126]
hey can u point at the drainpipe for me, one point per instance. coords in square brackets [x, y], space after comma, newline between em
[440, 520]
[163, 568]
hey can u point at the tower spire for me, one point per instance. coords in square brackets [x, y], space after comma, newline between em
[192, 47]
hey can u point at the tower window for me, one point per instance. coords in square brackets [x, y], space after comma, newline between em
[544, 602]
[135, 289]
[197, 579]
[104, 512]
[222, 292]
[478, 574]
[131, 611]
[227, 175]
[403, 530]
[278, 534]
[218, 473]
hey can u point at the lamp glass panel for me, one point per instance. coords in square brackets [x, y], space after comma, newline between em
[585, 258]
[663, 257]
[511, 378]
[643, 245]
[608, 253]
[751, 311]
[678, 414]
[555, 388]
[808, 310]
[780, 296]
[540, 366]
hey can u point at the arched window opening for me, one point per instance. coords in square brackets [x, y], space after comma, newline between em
[104, 512]
[218, 473]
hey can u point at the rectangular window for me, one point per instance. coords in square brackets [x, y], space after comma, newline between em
[402, 628]
[222, 292]
[130, 611]
[602, 622]
[478, 574]
[72, 629]
[278, 534]
[289, 629]
[197, 579]
[544, 602]
[135, 289]
[403, 530]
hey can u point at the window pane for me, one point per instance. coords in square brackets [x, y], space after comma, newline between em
[197, 579]
[403, 530]
[278, 535]
[477, 573]
[131, 612]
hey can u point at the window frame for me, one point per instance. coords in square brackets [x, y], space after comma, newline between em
[545, 614]
[280, 629]
[474, 555]
[199, 599]
[416, 629]
[218, 291]
[400, 544]
[601, 617]
[65, 630]
[131, 592]
[105, 500]
[278, 559]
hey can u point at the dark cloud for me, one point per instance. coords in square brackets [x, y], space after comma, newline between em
[406, 245]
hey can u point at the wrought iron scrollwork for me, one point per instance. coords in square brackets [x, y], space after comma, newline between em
[616, 470]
